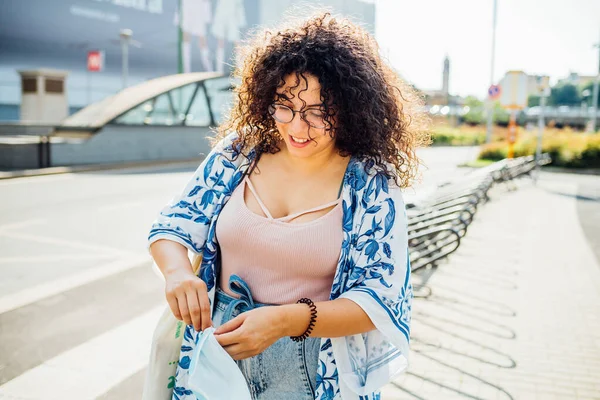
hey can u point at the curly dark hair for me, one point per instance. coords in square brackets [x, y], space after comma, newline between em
[376, 114]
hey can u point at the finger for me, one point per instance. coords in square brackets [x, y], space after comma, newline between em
[243, 355]
[231, 325]
[183, 309]
[194, 309]
[174, 307]
[204, 307]
[235, 349]
[228, 339]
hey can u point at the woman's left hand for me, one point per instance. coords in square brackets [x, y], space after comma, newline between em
[251, 332]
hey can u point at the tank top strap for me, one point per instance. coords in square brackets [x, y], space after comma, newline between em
[258, 200]
[341, 188]
[288, 218]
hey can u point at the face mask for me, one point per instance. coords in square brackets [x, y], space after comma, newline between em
[213, 373]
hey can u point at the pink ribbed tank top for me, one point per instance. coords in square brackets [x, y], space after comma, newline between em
[281, 261]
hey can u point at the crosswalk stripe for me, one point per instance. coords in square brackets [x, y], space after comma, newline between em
[69, 243]
[92, 368]
[47, 289]
[53, 258]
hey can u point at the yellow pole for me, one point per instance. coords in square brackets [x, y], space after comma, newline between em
[512, 134]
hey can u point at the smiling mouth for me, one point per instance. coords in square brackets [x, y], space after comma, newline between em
[299, 140]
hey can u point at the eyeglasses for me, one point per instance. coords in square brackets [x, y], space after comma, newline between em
[285, 115]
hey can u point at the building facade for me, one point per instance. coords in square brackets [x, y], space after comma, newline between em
[59, 34]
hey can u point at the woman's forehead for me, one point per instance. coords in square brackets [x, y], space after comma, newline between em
[305, 86]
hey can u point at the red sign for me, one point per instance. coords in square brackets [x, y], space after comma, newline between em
[95, 60]
[494, 91]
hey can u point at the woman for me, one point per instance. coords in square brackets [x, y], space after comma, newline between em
[302, 201]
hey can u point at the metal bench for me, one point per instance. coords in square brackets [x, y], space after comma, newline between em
[437, 224]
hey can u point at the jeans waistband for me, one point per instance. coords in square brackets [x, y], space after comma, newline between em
[244, 303]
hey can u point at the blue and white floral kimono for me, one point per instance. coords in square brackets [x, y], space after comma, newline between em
[373, 269]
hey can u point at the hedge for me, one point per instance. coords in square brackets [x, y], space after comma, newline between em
[567, 148]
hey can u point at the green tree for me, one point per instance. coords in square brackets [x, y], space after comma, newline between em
[533, 101]
[501, 116]
[564, 95]
[476, 111]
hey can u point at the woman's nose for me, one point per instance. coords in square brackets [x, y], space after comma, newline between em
[297, 124]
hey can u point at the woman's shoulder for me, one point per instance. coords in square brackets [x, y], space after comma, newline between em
[226, 143]
[365, 171]
[231, 148]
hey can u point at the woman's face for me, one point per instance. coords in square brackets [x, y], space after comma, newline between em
[308, 136]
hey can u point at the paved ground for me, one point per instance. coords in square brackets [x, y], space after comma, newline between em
[513, 314]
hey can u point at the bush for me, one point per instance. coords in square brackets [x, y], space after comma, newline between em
[493, 151]
[449, 136]
[591, 155]
[567, 148]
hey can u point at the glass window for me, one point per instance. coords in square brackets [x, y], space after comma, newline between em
[137, 115]
[29, 85]
[221, 96]
[170, 108]
[181, 98]
[199, 114]
[162, 111]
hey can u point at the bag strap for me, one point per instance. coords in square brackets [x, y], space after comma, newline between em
[196, 261]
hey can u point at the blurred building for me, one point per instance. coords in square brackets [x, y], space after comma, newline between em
[59, 34]
[577, 80]
[533, 84]
[443, 97]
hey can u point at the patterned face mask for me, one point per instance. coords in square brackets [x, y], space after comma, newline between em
[213, 373]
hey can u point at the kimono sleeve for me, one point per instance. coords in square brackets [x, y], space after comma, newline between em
[186, 218]
[379, 282]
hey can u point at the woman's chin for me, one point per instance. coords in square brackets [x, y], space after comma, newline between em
[300, 153]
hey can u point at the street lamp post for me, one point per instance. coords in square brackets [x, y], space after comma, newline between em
[125, 36]
[594, 115]
[586, 107]
[180, 38]
[544, 90]
[490, 112]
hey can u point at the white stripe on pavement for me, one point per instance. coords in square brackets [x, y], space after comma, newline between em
[92, 368]
[51, 288]
[53, 258]
[65, 242]
[22, 224]
[35, 179]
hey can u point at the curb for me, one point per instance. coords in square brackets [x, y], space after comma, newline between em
[24, 173]
[582, 171]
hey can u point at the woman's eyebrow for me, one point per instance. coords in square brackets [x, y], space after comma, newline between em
[285, 97]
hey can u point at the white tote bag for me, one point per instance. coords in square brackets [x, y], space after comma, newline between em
[213, 373]
[164, 353]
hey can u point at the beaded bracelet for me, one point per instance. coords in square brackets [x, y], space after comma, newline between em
[313, 319]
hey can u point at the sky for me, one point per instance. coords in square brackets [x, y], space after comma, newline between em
[540, 37]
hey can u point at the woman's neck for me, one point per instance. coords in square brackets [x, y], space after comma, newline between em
[316, 163]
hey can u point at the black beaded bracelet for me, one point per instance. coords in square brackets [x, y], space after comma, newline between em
[313, 319]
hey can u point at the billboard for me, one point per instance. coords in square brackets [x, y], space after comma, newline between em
[70, 28]
[60, 34]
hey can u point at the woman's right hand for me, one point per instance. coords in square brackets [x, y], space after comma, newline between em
[188, 299]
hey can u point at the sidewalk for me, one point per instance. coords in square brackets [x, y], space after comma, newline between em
[24, 173]
[515, 312]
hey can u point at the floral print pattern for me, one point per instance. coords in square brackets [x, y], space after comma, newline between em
[373, 269]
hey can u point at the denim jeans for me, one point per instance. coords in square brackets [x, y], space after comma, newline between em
[285, 370]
